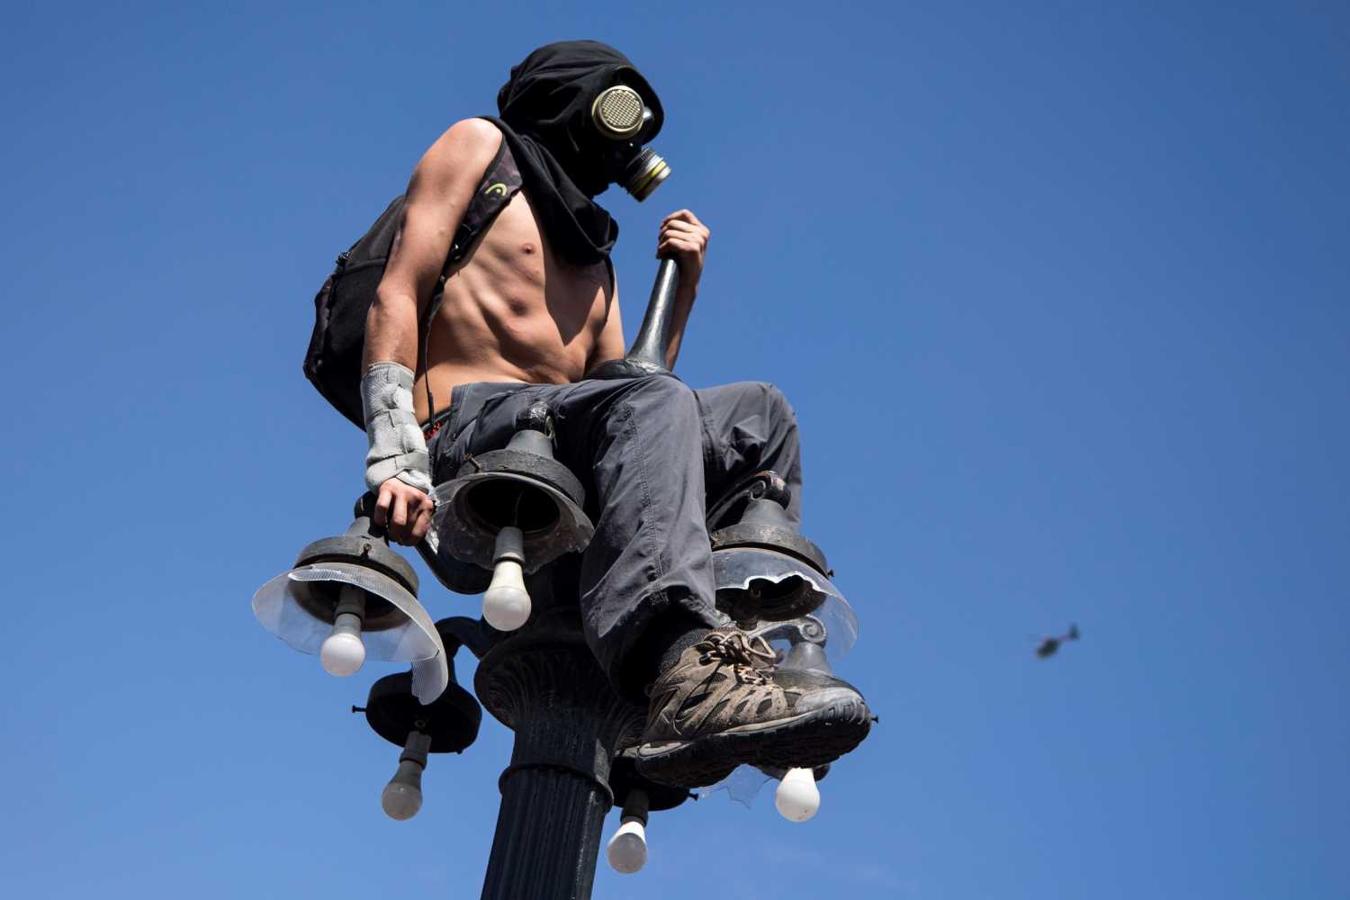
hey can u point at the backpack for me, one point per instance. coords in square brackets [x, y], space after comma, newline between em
[333, 360]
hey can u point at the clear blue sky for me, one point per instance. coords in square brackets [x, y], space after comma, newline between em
[1061, 295]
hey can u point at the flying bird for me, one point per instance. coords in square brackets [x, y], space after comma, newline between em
[1050, 646]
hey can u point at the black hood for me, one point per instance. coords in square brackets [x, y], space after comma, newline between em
[546, 120]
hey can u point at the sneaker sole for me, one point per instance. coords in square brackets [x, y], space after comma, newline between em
[806, 741]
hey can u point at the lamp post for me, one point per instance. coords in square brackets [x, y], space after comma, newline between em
[542, 681]
[544, 684]
[517, 513]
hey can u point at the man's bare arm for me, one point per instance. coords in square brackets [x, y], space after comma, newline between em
[438, 195]
[610, 343]
[684, 238]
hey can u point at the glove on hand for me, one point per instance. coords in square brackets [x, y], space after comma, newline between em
[397, 447]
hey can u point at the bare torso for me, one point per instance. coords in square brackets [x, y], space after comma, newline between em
[514, 311]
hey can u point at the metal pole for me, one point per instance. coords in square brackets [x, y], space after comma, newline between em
[544, 683]
[649, 347]
[648, 353]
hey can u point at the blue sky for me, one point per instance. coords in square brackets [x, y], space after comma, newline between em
[1060, 292]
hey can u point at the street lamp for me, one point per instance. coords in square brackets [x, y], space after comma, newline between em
[776, 584]
[510, 524]
[448, 724]
[511, 511]
[638, 798]
[350, 597]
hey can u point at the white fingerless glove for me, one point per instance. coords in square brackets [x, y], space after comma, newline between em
[397, 447]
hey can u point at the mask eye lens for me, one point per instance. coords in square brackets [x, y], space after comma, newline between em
[619, 112]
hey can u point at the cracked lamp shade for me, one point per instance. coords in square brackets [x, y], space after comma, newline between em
[773, 576]
[303, 608]
[769, 586]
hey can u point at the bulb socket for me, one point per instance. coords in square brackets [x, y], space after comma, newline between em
[510, 545]
[351, 602]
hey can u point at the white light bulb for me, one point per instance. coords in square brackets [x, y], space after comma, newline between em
[400, 801]
[627, 850]
[506, 604]
[797, 798]
[342, 652]
[402, 796]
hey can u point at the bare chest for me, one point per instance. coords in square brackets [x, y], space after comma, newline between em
[534, 280]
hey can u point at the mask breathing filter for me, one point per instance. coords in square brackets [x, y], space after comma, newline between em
[620, 115]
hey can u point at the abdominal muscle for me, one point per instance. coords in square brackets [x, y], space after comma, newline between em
[513, 312]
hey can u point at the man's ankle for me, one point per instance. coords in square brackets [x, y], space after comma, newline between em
[665, 642]
[676, 647]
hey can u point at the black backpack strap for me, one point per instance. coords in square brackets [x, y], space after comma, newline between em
[500, 183]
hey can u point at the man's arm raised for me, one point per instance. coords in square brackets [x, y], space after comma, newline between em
[397, 466]
[684, 238]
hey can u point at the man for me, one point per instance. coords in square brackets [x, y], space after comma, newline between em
[533, 308]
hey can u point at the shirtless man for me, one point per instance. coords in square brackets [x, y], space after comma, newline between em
[531, 310]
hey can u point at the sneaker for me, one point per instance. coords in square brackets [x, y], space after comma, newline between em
[723, 703]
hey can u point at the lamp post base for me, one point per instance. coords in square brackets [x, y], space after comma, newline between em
[543, 682]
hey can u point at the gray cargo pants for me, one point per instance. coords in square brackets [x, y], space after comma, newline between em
[652, 454]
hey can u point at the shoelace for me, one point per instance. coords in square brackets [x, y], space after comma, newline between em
[741, 652]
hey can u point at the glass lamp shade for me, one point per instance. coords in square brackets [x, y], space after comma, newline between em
[300, 607]
[777, 587]
[827, 634]
[761, 569]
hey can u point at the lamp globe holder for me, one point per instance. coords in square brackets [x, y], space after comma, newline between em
[474, 545]
[349, 598]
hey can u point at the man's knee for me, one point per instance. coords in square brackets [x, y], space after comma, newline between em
[777, 402]
[661, 386]
[670, 396]
[767, 400]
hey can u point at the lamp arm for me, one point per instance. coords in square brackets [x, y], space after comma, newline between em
[647, 356]
[649, 348]
[463, 632]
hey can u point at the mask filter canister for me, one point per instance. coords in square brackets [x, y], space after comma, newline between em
[645, 174]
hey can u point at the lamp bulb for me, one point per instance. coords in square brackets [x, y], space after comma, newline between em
[627, 850]
[402, 796]
[797, 798]
[342, 652]
[506, 604]
[400, 801]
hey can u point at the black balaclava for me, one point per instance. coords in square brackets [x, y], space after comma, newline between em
[546, 120]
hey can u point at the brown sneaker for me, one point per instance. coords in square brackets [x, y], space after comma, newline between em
[722, 704]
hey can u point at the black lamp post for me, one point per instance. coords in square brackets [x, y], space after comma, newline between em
[518, 512]
[542, 681]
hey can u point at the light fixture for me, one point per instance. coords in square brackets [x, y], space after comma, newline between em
[508, 511]
[449, 724]
[350, 597]
[402, 796]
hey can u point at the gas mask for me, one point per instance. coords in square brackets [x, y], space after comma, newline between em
[621, 118]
